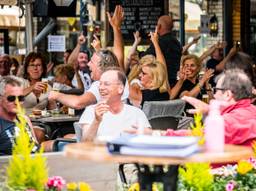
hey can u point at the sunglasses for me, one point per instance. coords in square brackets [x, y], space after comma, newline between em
[215, 89]
[13, 98]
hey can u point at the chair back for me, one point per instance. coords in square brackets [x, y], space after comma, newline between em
[164, 114]
[164, 123]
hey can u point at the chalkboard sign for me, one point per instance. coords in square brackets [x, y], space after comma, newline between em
[139, 15]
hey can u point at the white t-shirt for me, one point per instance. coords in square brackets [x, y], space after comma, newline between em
[114, 124]
[94, 89]
[86, 79]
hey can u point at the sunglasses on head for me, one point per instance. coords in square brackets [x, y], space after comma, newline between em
[13, 98]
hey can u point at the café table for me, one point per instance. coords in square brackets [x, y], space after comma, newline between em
[169, 177]
[60, 124]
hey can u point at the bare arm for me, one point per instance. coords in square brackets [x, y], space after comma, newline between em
[187, 46]
[31, 127]
[96, 44]
[159, 54]
[207, 53]
[196, 90]
[90, 131]
[221, 65]
[200, 107]
[74, 54]
[176, 89]
[116, 21]
[135, 95]
[132, 50]
[38, 88]
[73, 101]
[212, 49]
[80, 84]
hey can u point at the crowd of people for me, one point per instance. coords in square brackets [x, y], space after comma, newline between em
[112, 89]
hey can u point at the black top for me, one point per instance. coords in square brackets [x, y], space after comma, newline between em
[154, 95]
[8, 132]
[188, 86]
[211, 64]
[172, 51]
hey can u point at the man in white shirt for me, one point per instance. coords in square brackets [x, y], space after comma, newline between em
[111, 116]
[100, 62]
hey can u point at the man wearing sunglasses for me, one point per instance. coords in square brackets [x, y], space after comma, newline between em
[234, 89]
[10, 89]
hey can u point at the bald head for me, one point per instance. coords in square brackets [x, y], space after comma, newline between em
[164, 24]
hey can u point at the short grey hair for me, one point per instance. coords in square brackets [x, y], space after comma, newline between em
[9, 80]
[107, 59]
[238, 83]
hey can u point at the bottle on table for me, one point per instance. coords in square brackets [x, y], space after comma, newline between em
[214, 128]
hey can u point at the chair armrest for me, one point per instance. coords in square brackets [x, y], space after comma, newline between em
[56, 143]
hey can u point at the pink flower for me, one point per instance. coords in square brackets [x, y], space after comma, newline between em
[253, 162]
[56, 182]
[230, 186]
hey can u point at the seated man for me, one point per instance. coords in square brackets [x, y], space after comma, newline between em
[111, 116]
[10, 88]
[234, 88]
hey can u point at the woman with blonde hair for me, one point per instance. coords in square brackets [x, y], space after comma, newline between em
[154, 84]
[133, 76]
[149, 80]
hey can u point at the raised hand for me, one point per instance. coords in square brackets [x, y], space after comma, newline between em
[117, 18]
[96, 43]
[200, 106]
[39, 87]
[182, 75]
[154, 36]
[137, 37]
[207, 75]
[81, 39]
[100, 109]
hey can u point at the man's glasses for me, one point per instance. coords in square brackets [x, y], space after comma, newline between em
[13, 98]
[215, 89]
[109, 83]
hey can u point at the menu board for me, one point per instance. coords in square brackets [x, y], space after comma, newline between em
[139, 15]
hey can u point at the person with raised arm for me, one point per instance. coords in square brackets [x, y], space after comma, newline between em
[100, 61]
[170, 47]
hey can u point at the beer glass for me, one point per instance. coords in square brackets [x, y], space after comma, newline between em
[45, 81]
[205, 98]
